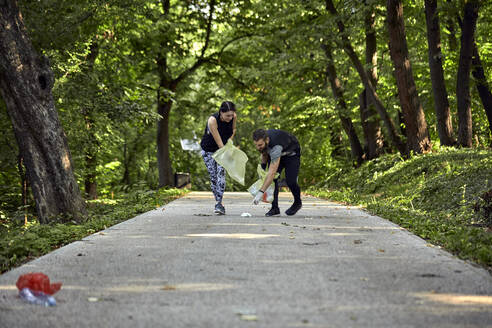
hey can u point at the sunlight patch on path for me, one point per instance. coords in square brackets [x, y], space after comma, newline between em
[457, 299]
[232, 235]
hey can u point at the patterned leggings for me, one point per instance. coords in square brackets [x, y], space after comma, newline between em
[217, 175]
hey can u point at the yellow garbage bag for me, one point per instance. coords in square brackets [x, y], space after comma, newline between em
[233, 160]
[253, 189]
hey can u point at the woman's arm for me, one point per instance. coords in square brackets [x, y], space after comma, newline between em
[234, 120]
[212, 127]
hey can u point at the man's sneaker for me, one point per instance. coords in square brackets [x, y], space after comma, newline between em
[273, 211]
[293, 209]
[219, 209]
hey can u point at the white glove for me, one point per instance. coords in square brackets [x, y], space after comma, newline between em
[258, 197]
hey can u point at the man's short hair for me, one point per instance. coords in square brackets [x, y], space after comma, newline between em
[259, 134]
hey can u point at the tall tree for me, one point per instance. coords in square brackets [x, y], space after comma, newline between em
[168, 84]
[369, 118]
[470, 16]
[348, 127]
[450, 25]
[482, 84]
[441, 103]
[415, 124]
[349, 50]
[26, 81]
[90, 177]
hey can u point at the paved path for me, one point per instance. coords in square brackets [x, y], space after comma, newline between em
[179, 266]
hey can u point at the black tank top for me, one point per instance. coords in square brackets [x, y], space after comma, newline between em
[225, 131]
[288, 141]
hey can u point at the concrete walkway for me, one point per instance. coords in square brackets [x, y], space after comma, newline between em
[181, 266]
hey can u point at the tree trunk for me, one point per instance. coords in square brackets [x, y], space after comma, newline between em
[463, 78]
[26, 81]
[126, 169]
[348, 127]
[369, 116]
[453, 42]
[441, 103]
[336, 140]
[129, 159]
[164, 106]
[349, 50]
[482, 85]
[450, 24]
[90, 176]
[417, 134]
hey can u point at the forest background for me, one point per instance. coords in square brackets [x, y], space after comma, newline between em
[390, 101]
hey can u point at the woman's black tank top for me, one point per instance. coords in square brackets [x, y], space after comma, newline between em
[225, 131]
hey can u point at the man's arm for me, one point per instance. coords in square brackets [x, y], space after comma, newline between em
[272, 170]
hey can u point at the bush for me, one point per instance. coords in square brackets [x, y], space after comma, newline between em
[444, 197]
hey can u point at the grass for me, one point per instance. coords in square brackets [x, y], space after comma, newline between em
[440, 196]
[22, 243]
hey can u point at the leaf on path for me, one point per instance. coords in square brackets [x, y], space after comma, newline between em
[430, 275]
[357, 241]
[169, 287]
[381, 250]
[310, 244]
[248, 317]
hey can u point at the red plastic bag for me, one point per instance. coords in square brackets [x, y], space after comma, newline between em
[38, 281]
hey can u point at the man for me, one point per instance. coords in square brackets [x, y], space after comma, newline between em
[280, 150]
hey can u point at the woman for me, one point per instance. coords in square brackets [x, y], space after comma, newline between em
[221, 127]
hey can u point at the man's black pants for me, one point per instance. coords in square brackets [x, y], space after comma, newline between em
[291, 165]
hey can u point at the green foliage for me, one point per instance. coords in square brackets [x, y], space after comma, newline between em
[19, 243]
[432, 195]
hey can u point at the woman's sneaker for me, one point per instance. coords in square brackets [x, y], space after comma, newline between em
[219, 209]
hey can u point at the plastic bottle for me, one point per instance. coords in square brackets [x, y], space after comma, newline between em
[35, 297]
